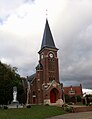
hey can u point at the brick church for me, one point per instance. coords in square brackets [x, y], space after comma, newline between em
[44, 86]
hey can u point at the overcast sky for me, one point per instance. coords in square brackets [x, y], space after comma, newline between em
[21, 30]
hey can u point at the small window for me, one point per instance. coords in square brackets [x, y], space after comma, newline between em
[71, 92]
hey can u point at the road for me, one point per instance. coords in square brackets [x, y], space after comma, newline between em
[81, 115]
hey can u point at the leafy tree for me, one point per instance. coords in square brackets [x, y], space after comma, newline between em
[8, 79]
[78, 98]
[88, 98]
[67, 98]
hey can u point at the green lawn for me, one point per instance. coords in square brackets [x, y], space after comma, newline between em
[35, 112]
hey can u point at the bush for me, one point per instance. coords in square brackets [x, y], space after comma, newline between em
[89, 104]
[67, 108]
[46, 104]
[28, 106]
[0, 107]
[5, 107]
[70, 103]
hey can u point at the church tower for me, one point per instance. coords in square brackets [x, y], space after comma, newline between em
[48, 56]
[49, 61]
[44, 84]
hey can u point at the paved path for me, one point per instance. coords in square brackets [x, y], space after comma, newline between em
[81, 115]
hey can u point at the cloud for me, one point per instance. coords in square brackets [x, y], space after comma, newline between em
[29, 1]
[18, 51]
[8, 7]
[71, 25]
[87, 91]
[74, 41]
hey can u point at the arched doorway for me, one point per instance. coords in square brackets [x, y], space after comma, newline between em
[53, 95]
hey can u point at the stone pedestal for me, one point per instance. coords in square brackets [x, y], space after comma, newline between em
[15, 103]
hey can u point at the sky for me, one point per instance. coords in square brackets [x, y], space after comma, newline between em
[22, 25]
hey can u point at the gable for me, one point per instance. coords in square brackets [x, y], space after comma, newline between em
[73, 90]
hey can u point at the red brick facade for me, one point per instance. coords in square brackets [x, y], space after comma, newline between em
[74, 93]
[73, 90]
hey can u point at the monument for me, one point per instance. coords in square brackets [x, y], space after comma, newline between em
[15, 101]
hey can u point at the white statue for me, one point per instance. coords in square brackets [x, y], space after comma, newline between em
[15, 94]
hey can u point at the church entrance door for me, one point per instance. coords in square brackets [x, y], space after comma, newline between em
[53, 95]
[33, 100]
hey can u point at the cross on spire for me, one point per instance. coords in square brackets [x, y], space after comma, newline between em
[46, 13]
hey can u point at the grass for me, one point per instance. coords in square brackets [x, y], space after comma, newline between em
[35, 112]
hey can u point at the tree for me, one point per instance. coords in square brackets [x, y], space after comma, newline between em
[8, 79]
[67, 98]
[78, 98]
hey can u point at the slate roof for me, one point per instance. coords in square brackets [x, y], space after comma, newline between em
[39, 66]
[47, 40]
[31, 78]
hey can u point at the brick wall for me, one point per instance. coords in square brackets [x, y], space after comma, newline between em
[82, 109]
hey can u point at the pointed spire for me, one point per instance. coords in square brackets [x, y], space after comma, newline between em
[47, 41]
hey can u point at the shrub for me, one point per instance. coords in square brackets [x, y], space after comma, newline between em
[28, 106]
[0, 107]
[5, 107]
[89, 104]
[70, 103]
[46, 104]
[67, 108]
